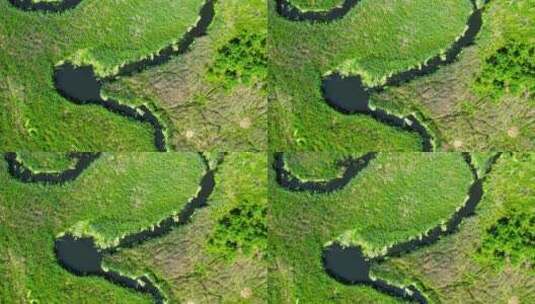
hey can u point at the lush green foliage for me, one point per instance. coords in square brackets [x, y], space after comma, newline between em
[511, 238]
[464, 117]
[242, 60]
[510, 70]
[244, 228]
[455, 269]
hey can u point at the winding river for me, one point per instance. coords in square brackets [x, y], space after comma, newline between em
[80, 84]
[349, 95]
[289, 11]
[81, 256]
[350, 266]
[45, 6]
[287, 180]
[18, 170]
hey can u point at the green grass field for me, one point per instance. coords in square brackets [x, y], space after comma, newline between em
[398, 196]
[120, 194]
[377, 38]
[108, 34]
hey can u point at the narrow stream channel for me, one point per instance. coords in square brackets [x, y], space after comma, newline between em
[18, 170]
[349, 95]
[83, 257]
[350, 266]
[45, 6]
[80, 84]
[286, 9]
[287, 180]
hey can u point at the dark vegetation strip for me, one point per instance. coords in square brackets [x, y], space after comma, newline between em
[44, 6]
[18, 170]
[289, 11]
[350, 266]
[287, 180]
[82, 257]
[81, 86]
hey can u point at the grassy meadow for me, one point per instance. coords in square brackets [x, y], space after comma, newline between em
[45, 161]
[218, 257]
[317, 165]
[482, 101]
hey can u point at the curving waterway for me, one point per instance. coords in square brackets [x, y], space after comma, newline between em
[287, 180]
[289, 11]
[80, 84]
[45, 6]
[349, 95]
[18, 170]
[350, 266]
[81, 256]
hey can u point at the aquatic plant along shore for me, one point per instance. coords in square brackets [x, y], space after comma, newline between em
[18, 170]
[349, 265]
[80, 84]
[45, 6]
[353, 166]
[291, 12]
[82, 256]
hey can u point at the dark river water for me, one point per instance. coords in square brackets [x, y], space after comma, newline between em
[82, 257]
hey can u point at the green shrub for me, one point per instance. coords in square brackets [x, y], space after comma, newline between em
[243, 228]
[511, 238]
[511, 69]
[242, 60]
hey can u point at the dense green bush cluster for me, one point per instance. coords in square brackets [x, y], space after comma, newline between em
[242, 60]
[243, 228]
[511, 238]
[510, 70]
